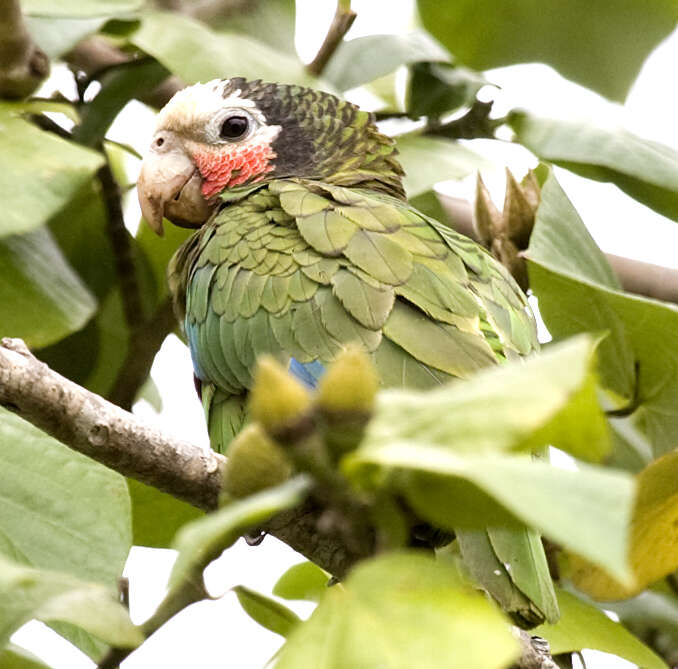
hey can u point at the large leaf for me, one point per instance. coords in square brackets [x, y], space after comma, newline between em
[363, 59]
[157, 516]
[437, 88]
[577, 293]
[584, 626]
[401, 611]
[41, 297]
[428, 160]
[550, 399]
[266, 611]
[170, 37]
[64, 511]
[646, 170]
[56, 35]
[274, 18]
[39, 172]
[654, 535]
[27, 594]
[451, 489]
[585, 41]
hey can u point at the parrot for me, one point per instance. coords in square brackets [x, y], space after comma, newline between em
[305, 243]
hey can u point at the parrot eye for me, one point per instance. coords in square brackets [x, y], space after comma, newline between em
[234, 127]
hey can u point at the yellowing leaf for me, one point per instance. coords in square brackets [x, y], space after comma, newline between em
[654, 535]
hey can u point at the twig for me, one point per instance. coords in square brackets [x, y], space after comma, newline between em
[122, 248]
[23, 65]
[122, 441]
[640, 278]
[341, 23]
[192, 591]
[95, 55]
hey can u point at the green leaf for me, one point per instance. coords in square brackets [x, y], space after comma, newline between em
[437, 88]
[428, 160]
[27, 594]
[169, 37]
[78, 9]
[582, 40]
[55, 35]
[584, 626]
[302, 581]
[266, 611]
[211, 535]
[591, 517]
[547, 400]
[399, 611]
[363, 59]
[273, 18]
[157, 516]
[69, 513]
[645, 170]
[14, 657]
[567, 270]
[39, 172]
[41, 297]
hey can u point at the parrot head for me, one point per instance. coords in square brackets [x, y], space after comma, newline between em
[229, 134]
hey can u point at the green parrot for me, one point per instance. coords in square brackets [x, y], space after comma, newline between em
[305, 242]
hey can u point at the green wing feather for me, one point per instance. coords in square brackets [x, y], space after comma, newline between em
[301, 268]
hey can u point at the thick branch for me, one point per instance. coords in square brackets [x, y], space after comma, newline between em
[341, 23]
[641, 278]
[120, 440]
[23, 65]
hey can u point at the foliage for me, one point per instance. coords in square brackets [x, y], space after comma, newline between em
[469, 458]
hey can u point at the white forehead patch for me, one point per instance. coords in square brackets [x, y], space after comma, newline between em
[195, 105]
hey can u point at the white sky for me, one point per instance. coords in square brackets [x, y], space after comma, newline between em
[216, 634]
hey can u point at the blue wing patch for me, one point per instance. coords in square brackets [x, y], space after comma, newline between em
[307, 372]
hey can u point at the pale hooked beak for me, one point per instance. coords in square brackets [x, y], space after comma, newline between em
[170, 185]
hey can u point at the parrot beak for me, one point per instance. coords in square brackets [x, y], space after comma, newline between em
[170, 185]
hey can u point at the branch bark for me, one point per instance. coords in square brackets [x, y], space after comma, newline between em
[23, 65]
[635, 276]
[120, 440]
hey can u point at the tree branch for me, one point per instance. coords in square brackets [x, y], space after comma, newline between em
[635, 276]
[23, 65]
[341, 23]
[534, 652]
[120, 440]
